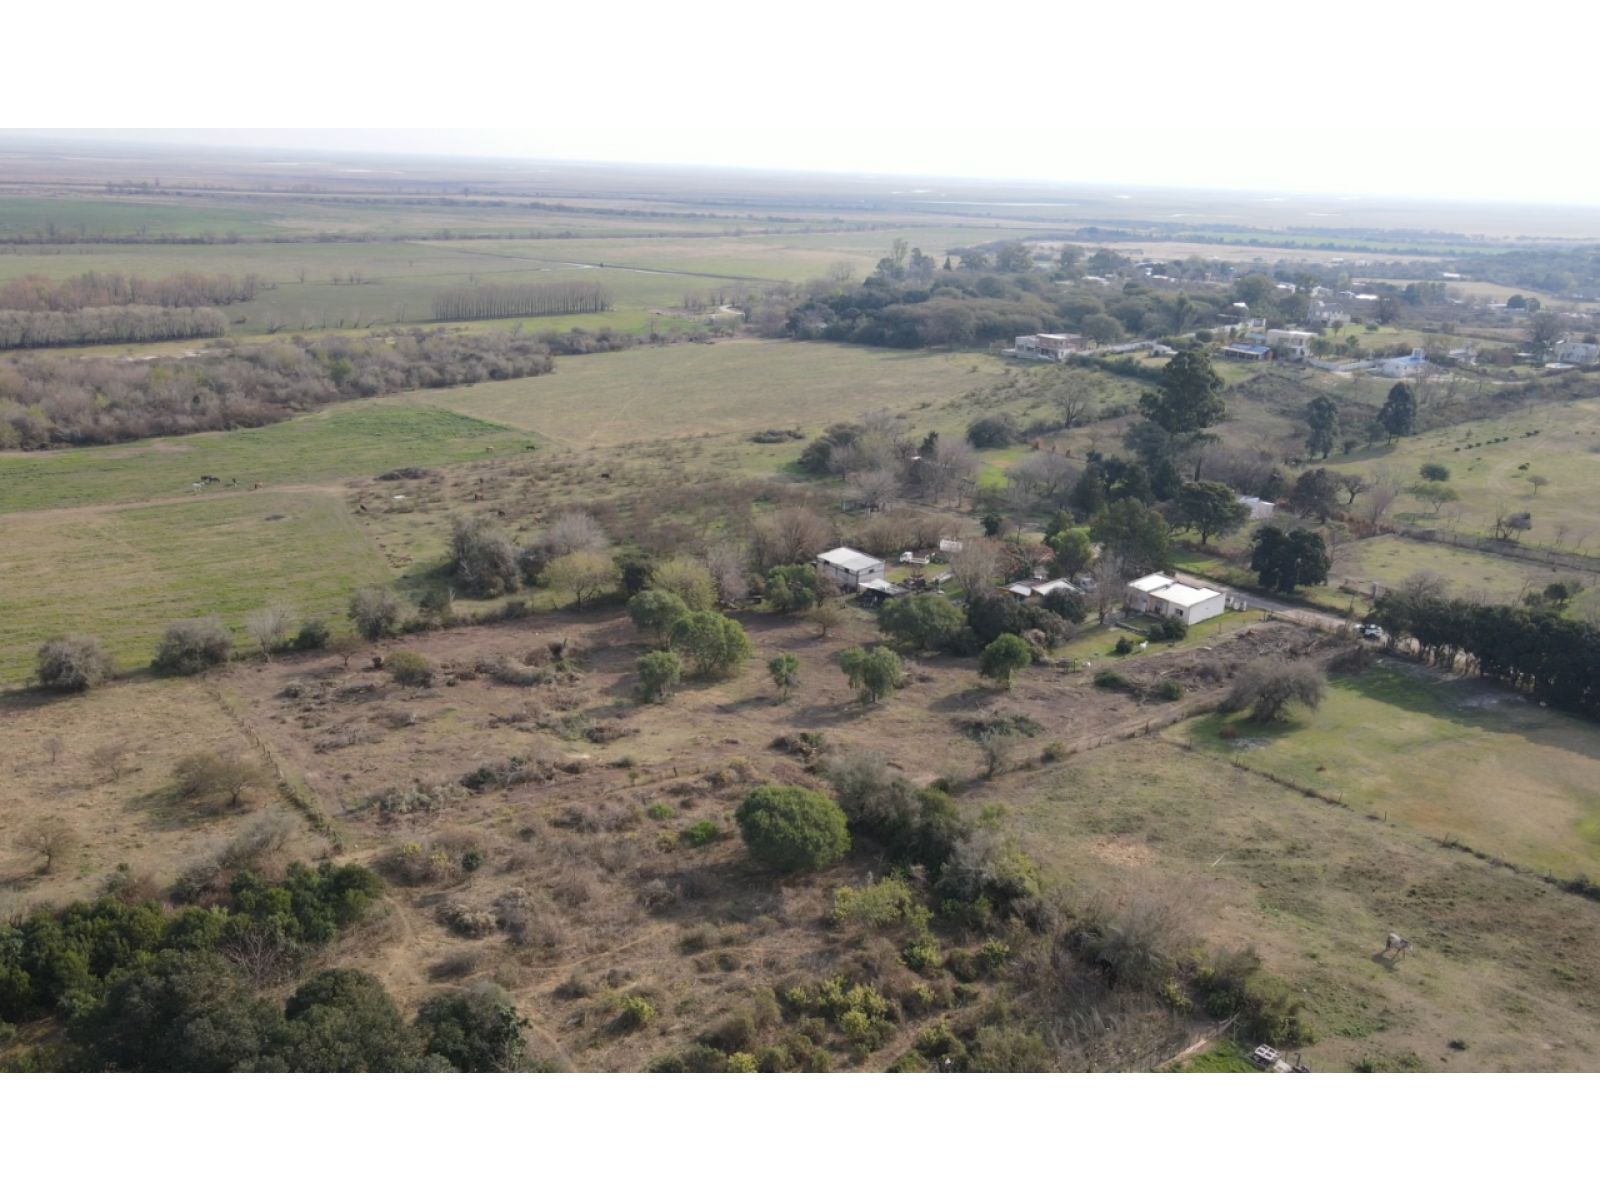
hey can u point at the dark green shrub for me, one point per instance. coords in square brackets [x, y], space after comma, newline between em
[1169, 689]
[792, 828]
[314, 634]
[701, 833]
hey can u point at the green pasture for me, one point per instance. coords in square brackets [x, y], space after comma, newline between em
[124, 574]
[740, 386]
[1492, 464]
[1450, 757]
[343, 440]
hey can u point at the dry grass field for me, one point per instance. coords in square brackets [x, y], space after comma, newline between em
[609, 841]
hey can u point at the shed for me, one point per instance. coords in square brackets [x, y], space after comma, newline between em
[850, 568]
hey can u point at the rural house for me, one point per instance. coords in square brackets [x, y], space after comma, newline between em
[1291, 345]
[1578, 353]
[850, 569]
[1163, 596]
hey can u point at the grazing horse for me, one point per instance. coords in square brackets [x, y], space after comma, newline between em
[1397, 944]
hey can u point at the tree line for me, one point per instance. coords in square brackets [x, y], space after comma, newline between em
[107, 289]
[74, 401]
[25, 330]
[487, 301]
[1535, 650]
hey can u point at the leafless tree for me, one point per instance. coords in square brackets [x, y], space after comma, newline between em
[270, 627]
[1352, 485]
[790, 535]
[1075, 398]
[1044, 477]
[224, 779]
[954, 471]
[877, 488]
[52, 839]
[1110, 575]
[109, 759]
[53, 746]
[975, 565]
[726, 562]
[1385, 490]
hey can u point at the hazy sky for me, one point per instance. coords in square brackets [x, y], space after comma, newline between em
[1436, 163]
[1370, 97]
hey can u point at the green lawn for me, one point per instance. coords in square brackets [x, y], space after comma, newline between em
[1491, 464]
[123, 574]
[1447, 756]
[1391, 560]
[338, 442]
[727, 387]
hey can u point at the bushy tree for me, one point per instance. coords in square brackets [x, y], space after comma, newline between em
[1434, 472]
[1074, 551]
[1211, 510]
[313, 634]
[792, 828]
[475, 1029]
[583, 574]
[342, 1020]
[1284, 561]
[1003, 658]
[924, 621]
[74, 663]
[1267, 689]
[655, 611]
[659, 674]
[713, 644]
[793, 589]
[993, 432]
[1190, 395]
[376, 612]
[1322, 417]
[687, 579]
[1315, 495]
[189, 647]
[571, 532]
[874, 674]
[1398, 416]
[785, 672]
[1135, 533]
[409, 668]
[482, 557]
[181, 1011]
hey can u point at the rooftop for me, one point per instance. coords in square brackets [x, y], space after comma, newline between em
[847, 559]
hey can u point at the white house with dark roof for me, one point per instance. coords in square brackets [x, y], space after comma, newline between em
[850, 569]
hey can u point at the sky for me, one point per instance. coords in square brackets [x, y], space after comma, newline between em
[1367, 97]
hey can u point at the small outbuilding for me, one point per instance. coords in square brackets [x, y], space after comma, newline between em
[1260, 510]
[1163, 596]
[850, 569]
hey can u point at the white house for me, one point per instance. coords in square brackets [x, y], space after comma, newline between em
[1260, 510]
[1578, 353]
[1164, 596]
[850, 568]
[1290, 344]
[1415, 363]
